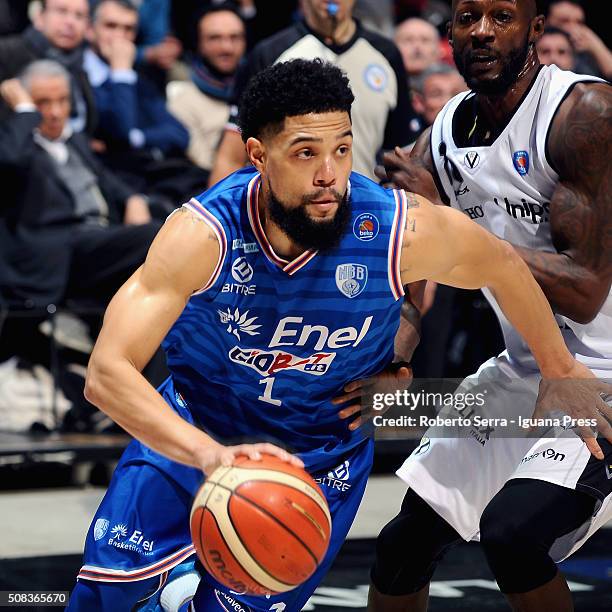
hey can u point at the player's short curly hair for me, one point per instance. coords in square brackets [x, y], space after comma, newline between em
[291, 89]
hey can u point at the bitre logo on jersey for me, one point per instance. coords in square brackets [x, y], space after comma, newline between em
[366, 227]
[520, 159]
[351, 279]
[337, 479]
[341, 472]
[242, 271]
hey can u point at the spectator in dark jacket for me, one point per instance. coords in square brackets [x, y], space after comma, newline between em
[58, 34]
[74, 230]
[134, 123]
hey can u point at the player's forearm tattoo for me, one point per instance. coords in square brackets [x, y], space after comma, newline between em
[577, 278]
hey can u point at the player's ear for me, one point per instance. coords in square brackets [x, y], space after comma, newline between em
[257, 153]
[537, 28]
[449, 32]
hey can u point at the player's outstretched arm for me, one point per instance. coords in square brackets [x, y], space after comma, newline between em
[576, 279]
[442, 244]
[181, 261]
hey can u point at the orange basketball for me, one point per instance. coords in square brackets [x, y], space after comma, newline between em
[260, 527]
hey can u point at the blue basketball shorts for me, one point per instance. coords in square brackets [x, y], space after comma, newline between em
[139, 554]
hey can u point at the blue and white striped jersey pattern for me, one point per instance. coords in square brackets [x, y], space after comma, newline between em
[262, 349]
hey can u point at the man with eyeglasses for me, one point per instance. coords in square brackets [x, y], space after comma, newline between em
[144, 143]
[58, 33]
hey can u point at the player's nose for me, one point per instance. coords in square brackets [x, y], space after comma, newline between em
[483, 30]
[326, 173]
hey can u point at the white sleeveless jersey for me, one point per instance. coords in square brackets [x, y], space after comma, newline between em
[507, 187]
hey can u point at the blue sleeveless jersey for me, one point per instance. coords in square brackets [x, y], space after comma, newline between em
[260, 352]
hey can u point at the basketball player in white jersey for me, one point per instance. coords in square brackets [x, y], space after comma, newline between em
[526, 154]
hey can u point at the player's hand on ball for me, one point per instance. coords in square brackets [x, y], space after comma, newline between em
[581, 396]
[359, 392]
[210, 457]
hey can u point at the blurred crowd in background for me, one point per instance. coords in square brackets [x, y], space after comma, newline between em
[115, 112]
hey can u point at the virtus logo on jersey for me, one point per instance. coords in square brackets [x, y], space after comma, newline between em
[472, 159]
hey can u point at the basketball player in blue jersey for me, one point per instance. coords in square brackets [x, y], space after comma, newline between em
[526, 155]
[270, 292]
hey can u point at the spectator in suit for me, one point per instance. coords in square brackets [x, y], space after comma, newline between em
[202, 104]
[58, 33]
[145, 143]
[74, 230]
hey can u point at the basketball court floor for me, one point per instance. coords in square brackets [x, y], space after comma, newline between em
[42, 532]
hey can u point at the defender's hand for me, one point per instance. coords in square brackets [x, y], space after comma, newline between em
[210, 457]
[409, 173]
[391, 378]
[580, 395]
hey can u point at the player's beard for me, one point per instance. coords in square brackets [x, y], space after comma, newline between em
[514, 64]
[294, 221]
